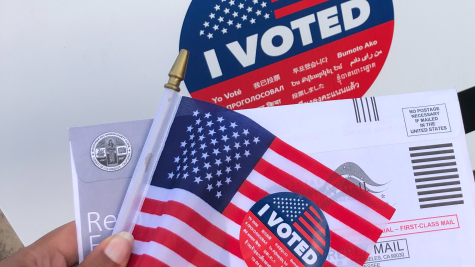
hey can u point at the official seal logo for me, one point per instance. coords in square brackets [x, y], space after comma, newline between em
[111, 151]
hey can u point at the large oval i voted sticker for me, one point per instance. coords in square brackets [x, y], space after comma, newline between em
[257, 53]
[285, 229]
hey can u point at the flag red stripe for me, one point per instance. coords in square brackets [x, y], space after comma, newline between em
[328, 264]
[346, 248]
[174, 243]
[251, 191]
[315, 212]
[322, 201]
[308, 238]
[145, 260]
[195, 221]
[234, 213]
[332, 178]
[310, 228]
[314, 222]
[296, 7]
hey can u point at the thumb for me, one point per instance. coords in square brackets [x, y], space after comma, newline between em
[112, 252]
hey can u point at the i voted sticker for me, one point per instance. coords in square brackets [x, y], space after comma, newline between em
[285, 229]
[257, 53]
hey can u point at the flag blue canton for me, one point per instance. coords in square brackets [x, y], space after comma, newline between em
[210, 151]
[229, 15]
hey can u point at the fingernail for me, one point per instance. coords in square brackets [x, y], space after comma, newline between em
[119, 247]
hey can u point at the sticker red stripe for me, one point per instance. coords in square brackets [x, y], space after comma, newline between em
[251, 191]
[145, 260]
[310, 228]
[314, 222]
[315, 212]
[296, 7]
[195, 221]
[332, 178]
[346, 248]
[323, 202]
[234, 213]
[309, 239]
[174, 243]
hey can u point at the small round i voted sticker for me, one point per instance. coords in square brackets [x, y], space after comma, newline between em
[285, 229]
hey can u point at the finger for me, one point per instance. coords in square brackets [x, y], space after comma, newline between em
[112, 252]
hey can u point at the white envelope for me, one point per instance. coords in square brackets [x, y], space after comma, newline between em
[408, 150]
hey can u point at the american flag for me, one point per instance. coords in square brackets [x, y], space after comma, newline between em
[215, 165]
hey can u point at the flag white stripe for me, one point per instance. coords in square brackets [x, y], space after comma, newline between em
[190, 235]
[197, 204]
[160, 252]
[335, 225]
[339, 259]
[318, 183]
[242, 202]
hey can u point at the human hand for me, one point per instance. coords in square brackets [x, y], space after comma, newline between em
[59, 249]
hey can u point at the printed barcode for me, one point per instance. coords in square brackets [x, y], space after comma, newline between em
[436, 175]
[366, 110]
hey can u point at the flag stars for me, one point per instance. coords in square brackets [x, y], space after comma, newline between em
[224, 138]
[196, 170]
[183, 144]
[218, 195]
[185, 151]
[226, 11]
[202, 32]
[230, 22]
[246, 142]
[239, 25]
[192, 136]
[215, 27]
[207, 165]
[209, 123]
[185, 167]
[228, 180]
[235, 135]
[245, 132]
[212, 16]
[211, 132]
[241, 6]
[177, 159]
[209, 176]
[233, 125]
[185, 159]
[256, 140]
[218, 162]
[249, 9]
[216, 152]
[226, 148]
[264, 4]
[178, 168]
[258, 12]
[189, 128]
[253, 21]
[170, 175]
[203, 146]
[255, 1]
[208, 115]
[237, 145]
[219, 184]
[220, 19]
[193, 161]
[237, 156]
[244, 17]
[198, 121]
[222, 128]
[228, 170]
[195, 113]
[210, 187]
[237, 167]
[193, 145]
[205, 155]
[210, 35]
[228, 159]
[202, 137]
[235, 14]
[231, 2]
[224, 30]
[214, 142]
[247, 153]
[198, 180]
[206, 24]
[219, 173]
[220, 119]
[185, 176]
[266, 16]
[217, 7]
